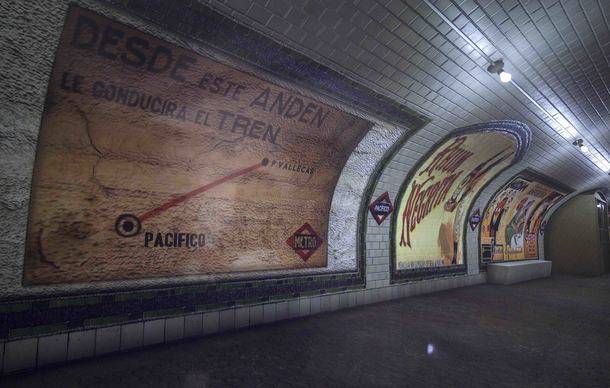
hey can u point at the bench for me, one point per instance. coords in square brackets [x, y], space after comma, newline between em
[518, 271]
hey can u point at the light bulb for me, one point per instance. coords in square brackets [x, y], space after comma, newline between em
[505, 77]
[584, 149]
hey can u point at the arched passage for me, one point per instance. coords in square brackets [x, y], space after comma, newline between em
[576, 239]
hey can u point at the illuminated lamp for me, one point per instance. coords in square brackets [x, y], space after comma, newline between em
[581, 145]
[497, 67]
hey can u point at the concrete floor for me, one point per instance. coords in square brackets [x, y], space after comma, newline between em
[551, 332]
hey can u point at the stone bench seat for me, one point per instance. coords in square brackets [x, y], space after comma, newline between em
[518, 271]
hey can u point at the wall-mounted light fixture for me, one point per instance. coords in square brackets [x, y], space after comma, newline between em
[563, 126]
[581, 145]
[497, 67]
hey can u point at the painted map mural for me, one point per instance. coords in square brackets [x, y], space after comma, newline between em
[154, 161]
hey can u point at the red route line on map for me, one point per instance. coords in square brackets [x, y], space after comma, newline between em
[185, 197]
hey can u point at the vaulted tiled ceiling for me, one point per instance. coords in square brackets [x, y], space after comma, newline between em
[557, 51]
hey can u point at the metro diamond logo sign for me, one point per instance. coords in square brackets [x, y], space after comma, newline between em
[305, 241]
[381, 208]
[475, 220]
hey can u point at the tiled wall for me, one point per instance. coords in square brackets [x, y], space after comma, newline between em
[28, 353]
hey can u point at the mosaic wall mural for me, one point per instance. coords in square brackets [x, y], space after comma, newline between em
[154, 161]
[433, 203]
[512, 222]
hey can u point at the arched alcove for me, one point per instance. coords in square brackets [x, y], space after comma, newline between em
[513, 221]
[576, 237]
[456, 168]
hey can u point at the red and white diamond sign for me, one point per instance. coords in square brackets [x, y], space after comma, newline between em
[304, 241]
[381, 208]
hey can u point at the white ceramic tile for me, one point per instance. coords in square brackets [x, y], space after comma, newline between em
[334, 302]
[242, 317]
[395, 292]
[427, 286]
[324, 303]
[314, 305]
[375, 295]
[210, 322]
[81, 344]
[416, 288]
[108, 340]
[304, 307]
[281, 311]
[193, 325]
[256, 315]
[386, 292]
[20, 355]
[227, 320]
[52, 349]
[343, 300]
[269, 312]
[407, 289]
[293, 308]
[132, 335]
[154, 332]
[174, 329]
[360, 297]
[351, 301]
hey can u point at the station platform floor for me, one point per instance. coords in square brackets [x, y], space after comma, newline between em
[550, 332]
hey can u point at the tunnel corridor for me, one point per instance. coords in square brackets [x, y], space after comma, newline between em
[304, 193]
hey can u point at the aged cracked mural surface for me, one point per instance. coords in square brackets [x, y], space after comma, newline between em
[155, 161]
